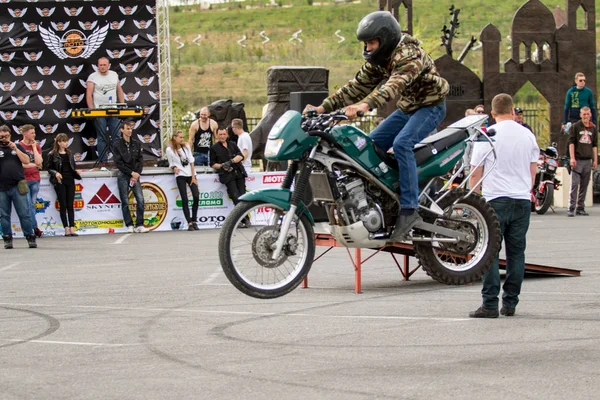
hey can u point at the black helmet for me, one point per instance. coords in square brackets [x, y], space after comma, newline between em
[383, 26]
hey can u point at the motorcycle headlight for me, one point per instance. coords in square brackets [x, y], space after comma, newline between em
[273, 146]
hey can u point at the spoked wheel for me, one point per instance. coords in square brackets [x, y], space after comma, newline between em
[465, 261]
[544, 201]
[246, 248]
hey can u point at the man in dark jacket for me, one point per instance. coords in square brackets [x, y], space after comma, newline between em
[13, 189]
[128, 156]
[226, 158]
[406, 74]
[583, 150]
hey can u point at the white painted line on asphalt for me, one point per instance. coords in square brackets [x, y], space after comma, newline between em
[122, 238]
[9, 266]
[212, 276]
[252, 313]
[72, 343]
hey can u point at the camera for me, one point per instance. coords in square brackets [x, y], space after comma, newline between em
[184, 162]
[4, 143]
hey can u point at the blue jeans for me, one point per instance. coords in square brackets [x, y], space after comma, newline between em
[123, 182]
[113, 126]
[34, 189]
[402, 131]
[514, 223]
[20, 201]
[200, 159]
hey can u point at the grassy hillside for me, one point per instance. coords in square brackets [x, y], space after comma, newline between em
[220, 68]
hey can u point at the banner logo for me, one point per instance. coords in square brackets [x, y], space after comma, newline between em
[155, 205]
[74, 43]
[273, 178]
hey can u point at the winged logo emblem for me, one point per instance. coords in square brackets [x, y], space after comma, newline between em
[73, 11]
[128, 10]
[155, 123]
[47, 99]
[46, 70]
[33, 56]
[16, 129]
[62, 113]
[151, 10]
[73, 69]
[7, 57]
[137, 124]
[101, 10]
[74, 99]
[61, 85]
[17, 12]
[5, 28]
[8, 115]
[153, 67]
[8, 86]
[146, 138]
[154, 95]
[156, 152]
[129, 39]
[87, 25]
[142, 24]
[33, 85]
[74, 43]
[60, 26]
[18, 42]
[35, 114]
[152, 38]
[115, 53]
[129, 67]
[30, 27]
[76, 127]
[89, 142]
[83, 83]
[143, 52]
[149, 109]
[49, 129]
[45, 12]
[20, 100]
[80, 156]
[116, 25]
[18, 71]
[144, 81]
[132, 96]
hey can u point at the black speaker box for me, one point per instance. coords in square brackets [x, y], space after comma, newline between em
[299, 100]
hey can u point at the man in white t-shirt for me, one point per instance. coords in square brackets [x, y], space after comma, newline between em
[508, 190]
[244, 143]
[103, 88]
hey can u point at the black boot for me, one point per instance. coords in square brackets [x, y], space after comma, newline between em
[404, 224]
[31, 242]
[7, 241]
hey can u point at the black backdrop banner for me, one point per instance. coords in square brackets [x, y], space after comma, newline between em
[49, 48]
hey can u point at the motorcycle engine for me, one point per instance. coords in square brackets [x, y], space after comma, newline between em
[357, 204]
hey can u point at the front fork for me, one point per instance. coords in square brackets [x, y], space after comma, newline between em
[299, 189]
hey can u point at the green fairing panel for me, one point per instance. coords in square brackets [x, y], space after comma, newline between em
[441, 163]
[296, 142]
[279, 197]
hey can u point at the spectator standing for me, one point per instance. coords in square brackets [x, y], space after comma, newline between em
[32, 170]
[578, 96]
[181, 161]
[202, 133]
[227, 157]
[60, 164]
[130, 163]
[507, 188]
[583, 150]
[519, 118]
[244, 143]
[103, 88]
[13, 189]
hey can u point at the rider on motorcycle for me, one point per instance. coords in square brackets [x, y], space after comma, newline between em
[408, 75]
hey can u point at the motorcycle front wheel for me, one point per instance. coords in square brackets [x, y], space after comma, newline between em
[543, 202]
[246, 248]
[462, 262]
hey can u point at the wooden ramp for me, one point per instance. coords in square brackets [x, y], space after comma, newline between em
[407, 250]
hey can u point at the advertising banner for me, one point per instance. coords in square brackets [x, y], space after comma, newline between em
[49, 48]
[98, 206]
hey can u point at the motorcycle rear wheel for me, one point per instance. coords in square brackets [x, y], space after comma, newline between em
[542, 205]
[461, 263]
[245, 250]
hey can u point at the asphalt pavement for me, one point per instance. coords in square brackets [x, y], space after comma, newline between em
[152, 316]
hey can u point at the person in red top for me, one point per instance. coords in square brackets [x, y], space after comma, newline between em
[32, 170]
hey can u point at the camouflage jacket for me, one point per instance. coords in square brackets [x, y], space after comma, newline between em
[410, 76]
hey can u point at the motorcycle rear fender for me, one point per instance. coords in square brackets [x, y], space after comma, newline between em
[279, 197]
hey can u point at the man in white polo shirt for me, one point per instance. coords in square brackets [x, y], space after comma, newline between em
[508, 190]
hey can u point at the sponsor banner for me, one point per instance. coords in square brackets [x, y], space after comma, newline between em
[98, 206]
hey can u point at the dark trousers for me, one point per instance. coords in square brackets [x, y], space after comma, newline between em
[236, 187]
[66, 196]
[123, 182]
[580, 178]
[182, 183]
[514, 223]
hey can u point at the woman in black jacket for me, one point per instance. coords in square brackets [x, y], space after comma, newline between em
[61, 166]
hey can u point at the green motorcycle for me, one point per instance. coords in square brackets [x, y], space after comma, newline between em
[267, 245]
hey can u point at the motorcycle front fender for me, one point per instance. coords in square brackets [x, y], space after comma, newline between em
[279, 197]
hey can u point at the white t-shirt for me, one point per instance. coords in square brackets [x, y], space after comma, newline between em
[105, 86]
[245, 143]
[516, 149]
[176, 159]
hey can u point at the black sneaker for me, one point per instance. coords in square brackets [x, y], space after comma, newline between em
[483, 312]
[581, 212]
[195, 225]
[8, 244]
[508, 312]
[31, 242]
[191, 226]
[404, 224]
